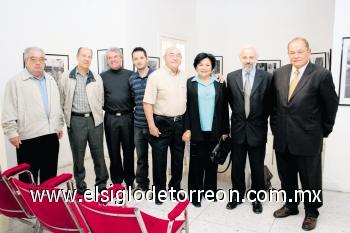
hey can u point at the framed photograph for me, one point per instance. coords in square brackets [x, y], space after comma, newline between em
[153, 63]
[219, 65]
[268, 65]
[55, 65]
[102, 64]
[319, 59]
[344, 80]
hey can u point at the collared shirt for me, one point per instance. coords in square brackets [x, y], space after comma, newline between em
[206, 102]
[43, 91]
[138, 86]
[80, 99]
[251, 76]
[301, 72]
[166, 92]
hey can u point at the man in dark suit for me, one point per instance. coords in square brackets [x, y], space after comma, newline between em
[304, 109]
[249, 98]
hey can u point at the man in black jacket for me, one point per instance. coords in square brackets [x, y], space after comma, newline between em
[119, 125]
[249, 98]
[305, 106]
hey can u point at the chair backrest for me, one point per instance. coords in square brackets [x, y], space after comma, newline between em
[108, 219]
[11, 204]
[56, 215]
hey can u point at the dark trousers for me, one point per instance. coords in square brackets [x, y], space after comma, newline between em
[171, 136]
[309, 169]
[120, 131]
[256, 155]
[141, 139]
[82, 130]
[202, 173]
[42, 155]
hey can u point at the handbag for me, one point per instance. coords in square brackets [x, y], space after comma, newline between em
[221, 151]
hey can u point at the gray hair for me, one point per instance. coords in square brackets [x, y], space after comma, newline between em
[27, 51]
[114, 50]
[248, 47]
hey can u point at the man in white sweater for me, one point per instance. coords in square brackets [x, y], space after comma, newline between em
[32, 117]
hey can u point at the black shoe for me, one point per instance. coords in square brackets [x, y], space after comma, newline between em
[178, 197]
[130, 185]
[232, 204]
[81, 191]
[142, 187]
[100, 189]
[309, 223]
[257, 207]
[285, 212]
[196, 204]
[158, 201]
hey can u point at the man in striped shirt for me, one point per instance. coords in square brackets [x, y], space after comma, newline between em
[138, 82]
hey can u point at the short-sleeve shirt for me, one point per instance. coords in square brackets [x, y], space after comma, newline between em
[166, 92]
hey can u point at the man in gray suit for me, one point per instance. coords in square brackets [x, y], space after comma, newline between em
[304, 108]
[249, 98]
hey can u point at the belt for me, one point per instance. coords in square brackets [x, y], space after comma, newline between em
[175, 118]
[88, 114]
[119, 113]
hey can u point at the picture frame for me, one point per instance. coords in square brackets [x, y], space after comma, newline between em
[55, 64]
[320, 59]
[344, 80]
[153, 63]
[219, 65]
[268, 65]
[102, 64]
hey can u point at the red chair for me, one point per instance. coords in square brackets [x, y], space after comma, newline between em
[11, 204]
[54, 215]
[109, 219]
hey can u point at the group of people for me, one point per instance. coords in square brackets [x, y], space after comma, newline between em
[164, 108]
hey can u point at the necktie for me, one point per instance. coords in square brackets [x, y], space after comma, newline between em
[247, 91]
[293, 83]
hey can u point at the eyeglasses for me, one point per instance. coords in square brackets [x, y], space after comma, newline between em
[37, 59]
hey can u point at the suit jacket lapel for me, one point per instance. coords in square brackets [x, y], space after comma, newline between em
[239, 82]
[257, 81]
[285, 87]
[302, 80]
[216, 86]
[195, 93]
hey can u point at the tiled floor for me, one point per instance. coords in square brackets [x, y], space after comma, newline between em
[213, 217]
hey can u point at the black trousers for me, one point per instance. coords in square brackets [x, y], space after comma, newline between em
[141, 138]
[202, 173]
[120, 131]
[256, 155]
[310, 174]
[171, 136]
[42, 155]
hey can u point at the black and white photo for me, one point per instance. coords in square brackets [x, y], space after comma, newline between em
[268, 65]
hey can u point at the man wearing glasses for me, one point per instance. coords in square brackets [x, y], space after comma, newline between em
[32, 117]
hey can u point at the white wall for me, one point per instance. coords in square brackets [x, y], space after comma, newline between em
[336, 172]
[224, 26]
